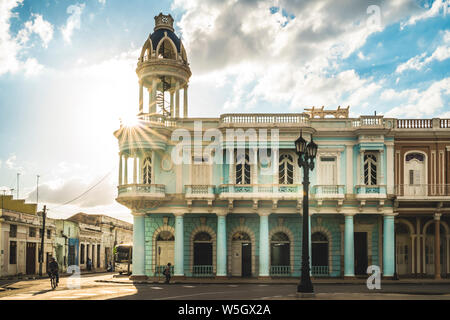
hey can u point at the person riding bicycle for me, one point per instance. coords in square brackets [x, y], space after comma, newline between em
[53, 269]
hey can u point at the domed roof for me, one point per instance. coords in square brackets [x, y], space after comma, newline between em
[156, 37]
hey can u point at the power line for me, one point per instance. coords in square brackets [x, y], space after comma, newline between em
[78, 197]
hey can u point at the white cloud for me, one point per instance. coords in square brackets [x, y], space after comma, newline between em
[9, 47]
[441, 53]
[438, 7]
[289, 58]
[103, 2]
[419, 104]
[39, 26]
[73, 22]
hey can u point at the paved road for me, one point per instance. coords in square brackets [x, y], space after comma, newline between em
[91, 289]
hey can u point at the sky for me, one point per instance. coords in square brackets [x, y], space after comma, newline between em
[67, 75]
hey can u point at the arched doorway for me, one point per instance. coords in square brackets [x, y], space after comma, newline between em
[165, 250]
[414, 174]
[203, 254]
[403, 249]
[241, 255]
[319, 248]
[429, 246]
[280, 254]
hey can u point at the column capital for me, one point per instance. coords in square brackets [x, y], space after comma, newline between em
[349, 214]
[437, 216]
[178, 213]
[263, 213]
[221, 213]
[390, 214]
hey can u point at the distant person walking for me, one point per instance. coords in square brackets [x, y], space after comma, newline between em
[166, 272]
[89, 264]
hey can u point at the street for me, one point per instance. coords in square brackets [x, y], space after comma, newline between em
[94, 287]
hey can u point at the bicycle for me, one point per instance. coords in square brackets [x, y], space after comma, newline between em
[53, 282]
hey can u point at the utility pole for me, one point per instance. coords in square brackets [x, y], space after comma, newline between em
[41, 254]
[18, 174]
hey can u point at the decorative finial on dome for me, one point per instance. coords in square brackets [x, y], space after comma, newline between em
[163, 22]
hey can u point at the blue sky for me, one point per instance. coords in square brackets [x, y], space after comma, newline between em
[67, 74]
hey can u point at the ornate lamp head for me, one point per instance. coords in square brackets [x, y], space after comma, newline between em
[300, 145]
[311, 149]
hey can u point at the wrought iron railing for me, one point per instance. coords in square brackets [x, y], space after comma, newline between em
[261, 188]
[370, 189]
[417, 190]
[280, 270]
[199, 189]
[202, 271]
[142, 188]
[320, 271]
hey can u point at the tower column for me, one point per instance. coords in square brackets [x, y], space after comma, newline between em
[134, 169]
[349, 250]
[120, 169]
[221, 245]
[126, 170]
[152, 100]
[179, 245]
[138, 246]
[177, 100]
[185, 101]
[263, 244]
[141, 98]
[172, 114]
[388, 246]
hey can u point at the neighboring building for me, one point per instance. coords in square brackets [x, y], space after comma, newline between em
[67, 244]
[20, 238]
[422, 183]
[98, 236]
[221, 211]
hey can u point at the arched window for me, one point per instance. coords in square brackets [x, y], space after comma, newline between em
[319, 248]
[203, 254]
[202, 236]
[147, 171]
[165, 236]
[166, 50]
[241, 236]
[280, 254]
[370, 169]
[243, 168]
[286, 169]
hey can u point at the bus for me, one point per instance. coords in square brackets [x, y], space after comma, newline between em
[123, 255]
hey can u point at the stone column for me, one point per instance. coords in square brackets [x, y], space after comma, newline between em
[172, 111]
[177, 101]
[263, 244]
[179, 245]
[221, 268]
[361, 169]
[134, 169]
[382, 178]
[437, 245]
[126, 170]
[120, 169]
[185, 102]
[152, 100]
[349, 177]
[349, 251]
[388, 246]
[141, 98]
[138, 246]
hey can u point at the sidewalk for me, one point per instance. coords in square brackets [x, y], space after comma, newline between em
[238, 280]
[45, 276]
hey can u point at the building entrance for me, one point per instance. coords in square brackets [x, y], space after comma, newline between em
[361, 260]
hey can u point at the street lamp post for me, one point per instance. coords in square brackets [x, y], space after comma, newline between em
[306, 154]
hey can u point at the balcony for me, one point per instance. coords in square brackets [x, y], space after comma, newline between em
[264, 119]
[422, 191]
[132, 195]
[371, 192]
[328, 192]
[368, 122]
[202, 192]
[260, 191]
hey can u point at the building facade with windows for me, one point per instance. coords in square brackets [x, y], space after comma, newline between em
[422, 174]
[222, 197]
[20, 238]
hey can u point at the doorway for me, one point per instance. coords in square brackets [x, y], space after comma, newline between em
[241, 255]
[246, 259]
[31, 258]
[361, 259]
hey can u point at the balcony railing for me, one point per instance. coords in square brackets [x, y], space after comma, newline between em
[368, 121]
[280, 271]
[199, 191]
[414, 124]
[265, 118]
[142, 189]
[370, 191]
[202, 271]
[155, 119]
[320, 271]
[261, 190]
[328, 191]
[422, 190]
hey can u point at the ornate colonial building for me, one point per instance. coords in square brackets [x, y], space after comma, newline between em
[222, 196]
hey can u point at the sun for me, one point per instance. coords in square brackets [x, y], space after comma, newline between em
[129, 120]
